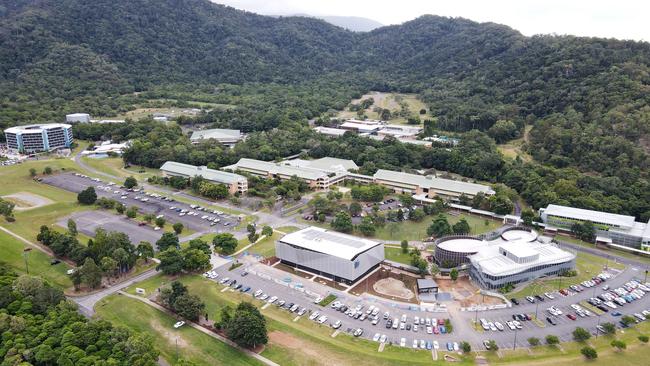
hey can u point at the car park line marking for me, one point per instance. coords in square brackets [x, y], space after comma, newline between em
[266, 306]
[381, 347]
[336, 332]
[434, 354]
[225, 289]
[296, 318]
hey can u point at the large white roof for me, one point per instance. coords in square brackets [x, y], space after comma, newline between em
[463, 245]
[490, 261]
[329, 242]
[209, 174]
[326, 164]
[590, 215]
[432, 182]
[217, 134]
[276, 168]
[39, 128]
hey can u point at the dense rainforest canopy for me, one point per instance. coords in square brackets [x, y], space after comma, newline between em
[587, 99]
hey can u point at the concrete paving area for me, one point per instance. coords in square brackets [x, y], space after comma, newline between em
[301, 291]
[89, 221]
[156, 205]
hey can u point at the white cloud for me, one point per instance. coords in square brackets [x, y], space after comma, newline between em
[623, 19]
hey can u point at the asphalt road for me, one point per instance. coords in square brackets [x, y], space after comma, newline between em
[89, 221]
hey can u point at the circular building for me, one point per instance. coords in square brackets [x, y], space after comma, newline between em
[516, 234]
[453, 251]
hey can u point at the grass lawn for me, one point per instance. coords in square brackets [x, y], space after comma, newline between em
[411, 230]
[396, 255]
[587, 265]
[191, 344]
[636, 353]
[38, 262]
[388, 101]
[287, 229]
[513, 148]
[621, 253]
[266, 246]
[115, 167]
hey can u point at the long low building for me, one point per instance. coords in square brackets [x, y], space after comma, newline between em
[39, 138]
[235, 182]
[337, 256]
[430, 186]
[224, 136]
[518, 255]
[621, 229]
[319, 174]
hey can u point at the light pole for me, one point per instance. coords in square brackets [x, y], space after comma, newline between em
[25, 252]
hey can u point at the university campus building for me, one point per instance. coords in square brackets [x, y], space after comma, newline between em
[39, 138]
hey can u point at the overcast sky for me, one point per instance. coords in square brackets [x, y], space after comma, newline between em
[623, 19]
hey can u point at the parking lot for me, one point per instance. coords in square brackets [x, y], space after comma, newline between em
[195, 218]
[89, 221]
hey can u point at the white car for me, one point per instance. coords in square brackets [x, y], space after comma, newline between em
[456, 346]
[337, 324]
[179, 324]
[314, 315]
[272, 299]
[402, 342]
[382, 339]
[415, 343]
[429, 330]
[436, 345]
[322, 319]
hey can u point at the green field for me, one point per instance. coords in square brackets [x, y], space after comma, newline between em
[588, 265]
[266, 246]
[193, 345]
[37, 261]
[411, 230]
[388, 101]
[396, 255]
[115, 167]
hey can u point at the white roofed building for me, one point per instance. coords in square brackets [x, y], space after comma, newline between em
[39, 138]
[340, 257]
[621, 229]
[430, 186]
[77, 117]
[234, 182]
[224, 136]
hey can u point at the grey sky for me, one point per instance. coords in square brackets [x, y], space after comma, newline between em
[623, 19]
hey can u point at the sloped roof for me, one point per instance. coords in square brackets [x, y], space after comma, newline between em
[209, 174]
[329, 242]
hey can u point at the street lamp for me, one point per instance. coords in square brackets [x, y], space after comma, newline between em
[25, 252]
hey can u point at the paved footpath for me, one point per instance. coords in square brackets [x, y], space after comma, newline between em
[205, 331]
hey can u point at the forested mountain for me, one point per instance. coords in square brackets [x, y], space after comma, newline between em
[587, 98]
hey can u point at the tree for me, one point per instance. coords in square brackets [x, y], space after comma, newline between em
[406, 199]
[465, 347]
[252, 237]
[195, 260]
[132, 212]
[77, 278]
[267, 231]
[130, 182]
[178, 228]
[619, 344]
[189, 306]
[91, 273]
[167, 240]
[405, 246]
[461, 227]
[533, 341]
[527, 216]
[247, 327]
[120, 208]
[145, 250]
[108, 266]
[122, 258]
[149, 217]
[7, 209]
[502, 131]
[47, 170]
[627, 320]
[643, 338]
[160, 221]
[581, 334]
[355, 208]
[32, 172]
[224, 243]
[439, 227]
[417, 215]
[552, 340]
[342, 222]
[200, 245]
[589, 353]
[72, 227]
[171, 261]
[609, 328]
[87, 196]
[453, 274]
[492, 345]
[367, 227]
[434, 269]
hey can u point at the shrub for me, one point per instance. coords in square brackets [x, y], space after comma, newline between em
[589, 353]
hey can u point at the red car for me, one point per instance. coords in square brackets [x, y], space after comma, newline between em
[571, 316]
